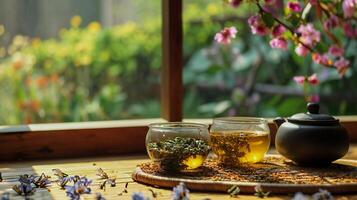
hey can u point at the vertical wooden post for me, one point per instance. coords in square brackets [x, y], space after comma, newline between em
[172, 65]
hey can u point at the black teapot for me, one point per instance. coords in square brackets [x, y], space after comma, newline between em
[311, 139]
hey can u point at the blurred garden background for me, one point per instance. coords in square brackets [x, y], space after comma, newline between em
[90, 60]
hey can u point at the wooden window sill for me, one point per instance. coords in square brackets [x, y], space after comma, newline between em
[64, 140]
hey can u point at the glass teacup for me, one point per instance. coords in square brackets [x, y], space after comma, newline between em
[178, 146]
[237, 140]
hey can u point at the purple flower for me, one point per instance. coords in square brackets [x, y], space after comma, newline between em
[294, 6]
[225, 36]
[180, 192]
[349, 7]
[309, 36]
[26, 185]
[79, 187]
[257, 25]
[300, 196]
[336, 50]
[24, 189]
[278, 43]
[278, 30]
[322, 194]
[26, 179]
[138, 196]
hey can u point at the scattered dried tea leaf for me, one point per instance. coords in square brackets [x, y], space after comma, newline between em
[42, 181]
[102, 174]
[59, 173]
[260, 193]
[154, 194]
[125, 190]
[234, 191]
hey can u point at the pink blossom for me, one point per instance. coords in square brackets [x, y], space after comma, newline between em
[299, 79]
[235, 3]
[321, 59]
[336, 50]
[349, 7]
[342, 65]
[225, 36]
[301, 50]
[314, 98]
[331, 22]
[278, 43]
[349, 31]
[309, 36]
[294, 6]
[278, 30]
[313, 79]
[257, 25]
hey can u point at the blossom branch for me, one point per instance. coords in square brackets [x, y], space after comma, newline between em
[286, 26]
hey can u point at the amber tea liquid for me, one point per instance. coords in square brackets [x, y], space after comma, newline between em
[237, 147]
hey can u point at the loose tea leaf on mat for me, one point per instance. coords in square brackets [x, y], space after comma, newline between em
[273, 169]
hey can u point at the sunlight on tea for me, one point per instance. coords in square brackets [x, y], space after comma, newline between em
[235, 147]
[194, 162]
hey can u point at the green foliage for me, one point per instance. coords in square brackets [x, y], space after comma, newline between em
[91, 73]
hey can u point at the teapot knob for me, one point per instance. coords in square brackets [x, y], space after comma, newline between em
[313, 108]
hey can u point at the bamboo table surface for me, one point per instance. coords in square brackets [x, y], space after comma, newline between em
[119, 166]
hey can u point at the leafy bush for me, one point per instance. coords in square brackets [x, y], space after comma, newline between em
[91, 73]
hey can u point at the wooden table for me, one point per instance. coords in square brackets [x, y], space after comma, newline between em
[119, 166]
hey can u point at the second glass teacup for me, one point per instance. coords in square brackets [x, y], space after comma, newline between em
[237, 140]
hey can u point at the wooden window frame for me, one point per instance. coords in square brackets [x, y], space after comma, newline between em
[58, 140]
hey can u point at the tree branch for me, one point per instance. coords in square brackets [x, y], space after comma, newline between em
[292, 31]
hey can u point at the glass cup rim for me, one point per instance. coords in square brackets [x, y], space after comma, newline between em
[178, 125]
[240, 120]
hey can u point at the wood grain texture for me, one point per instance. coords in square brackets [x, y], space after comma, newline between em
[43, 141]
[61, 140]
[172, 64]
[120, 167]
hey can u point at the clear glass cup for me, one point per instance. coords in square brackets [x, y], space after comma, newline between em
[178, 146]
[237, 140]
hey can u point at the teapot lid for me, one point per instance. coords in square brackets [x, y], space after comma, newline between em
[312, 116]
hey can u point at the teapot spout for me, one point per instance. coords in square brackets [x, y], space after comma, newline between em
[279, 121]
